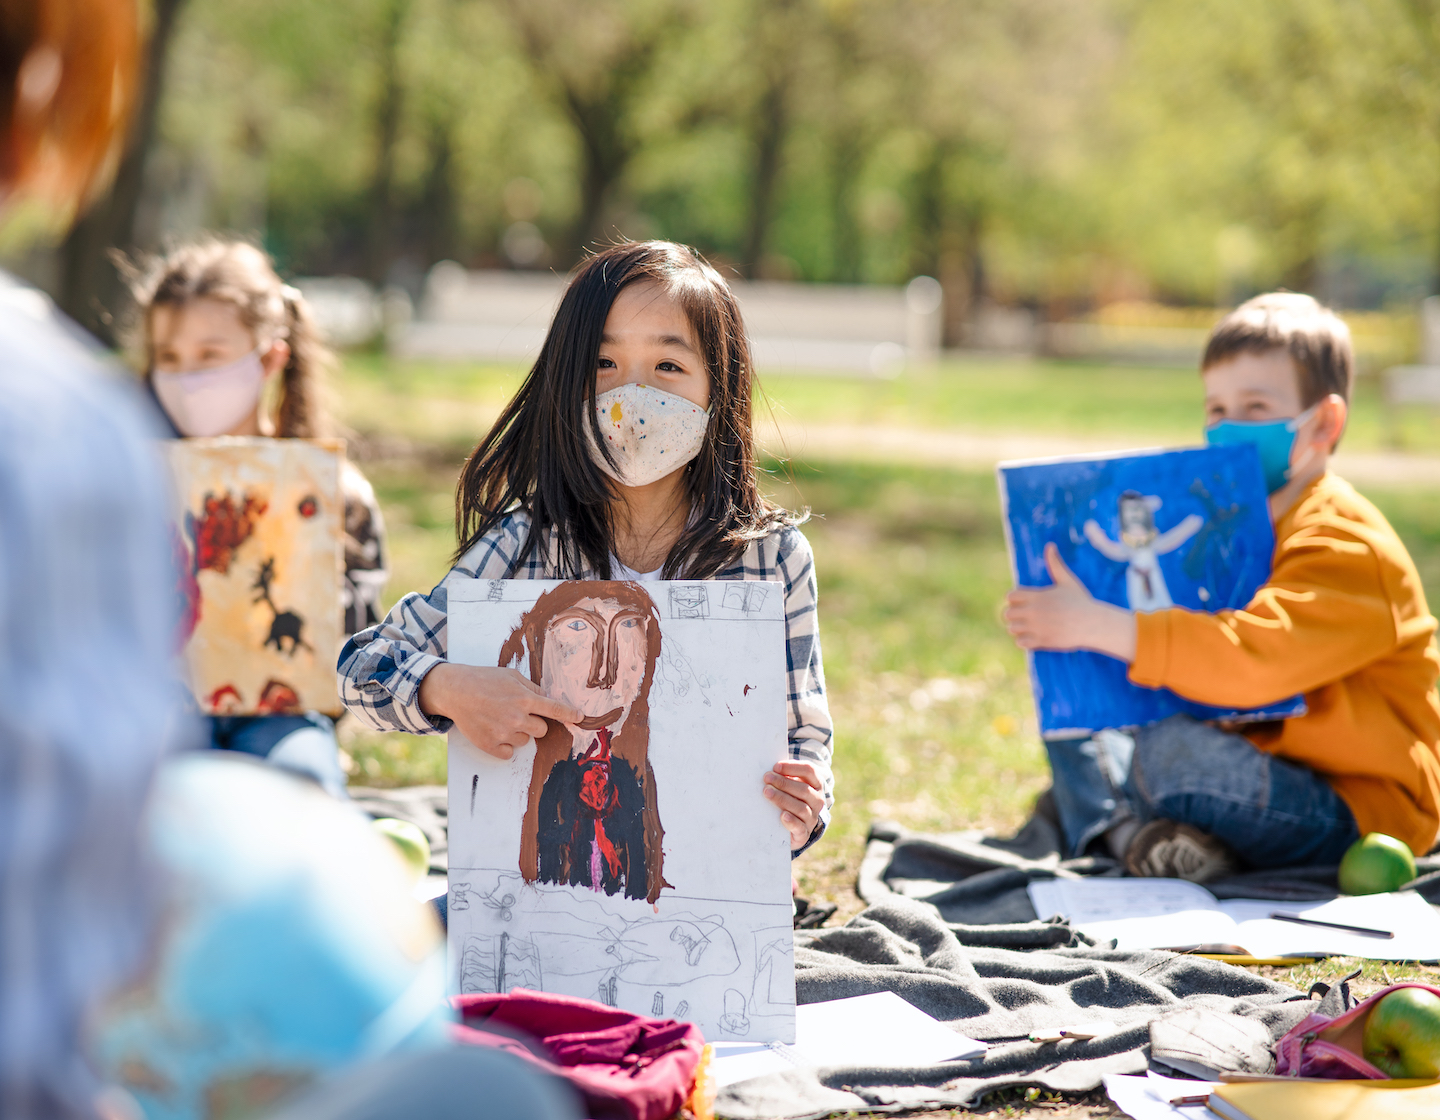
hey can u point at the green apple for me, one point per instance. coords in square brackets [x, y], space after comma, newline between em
[1402, 1034]
[1376, 863]
[410, 841]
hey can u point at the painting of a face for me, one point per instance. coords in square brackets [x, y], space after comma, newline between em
[595, 656]
[1137, 522]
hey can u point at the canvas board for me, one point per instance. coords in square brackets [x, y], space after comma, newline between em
[1145, 530]
[259, 540]
[677, 903]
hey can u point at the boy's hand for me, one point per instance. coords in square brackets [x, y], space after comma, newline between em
[1066, 616]
[496, 709]
[795, 788]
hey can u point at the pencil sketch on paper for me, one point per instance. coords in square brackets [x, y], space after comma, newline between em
[629, 858]
[744, 596]
[258, 541]
[689, 600]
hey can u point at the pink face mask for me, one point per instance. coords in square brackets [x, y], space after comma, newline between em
[211, 402]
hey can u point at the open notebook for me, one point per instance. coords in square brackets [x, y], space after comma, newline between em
[874, 1030]
[1175, 914]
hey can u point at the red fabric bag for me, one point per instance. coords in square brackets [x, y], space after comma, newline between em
[1322, 1046]
[627, 1067]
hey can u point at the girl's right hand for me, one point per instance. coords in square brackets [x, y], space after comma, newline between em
[496, 709]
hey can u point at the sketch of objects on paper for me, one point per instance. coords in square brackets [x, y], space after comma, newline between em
[499, 962]
[690, 600]
[745, 596]
[463, 895]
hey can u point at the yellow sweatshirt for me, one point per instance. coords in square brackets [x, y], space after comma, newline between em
[1343, 620]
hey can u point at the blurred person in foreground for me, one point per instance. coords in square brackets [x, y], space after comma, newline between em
[1342, 619]
[86, 613]
[265, 935]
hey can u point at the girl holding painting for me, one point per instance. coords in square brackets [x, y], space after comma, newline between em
[228, 349]
[627, 455]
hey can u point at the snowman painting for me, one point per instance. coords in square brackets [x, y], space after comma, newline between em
[1140, 546]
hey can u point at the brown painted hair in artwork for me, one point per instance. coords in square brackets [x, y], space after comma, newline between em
[631, 744]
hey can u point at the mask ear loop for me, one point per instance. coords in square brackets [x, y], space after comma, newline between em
[1294, 426]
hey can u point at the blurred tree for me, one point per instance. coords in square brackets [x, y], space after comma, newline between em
[595, 61]
[389, 100]
[776, 28]
[90, 289]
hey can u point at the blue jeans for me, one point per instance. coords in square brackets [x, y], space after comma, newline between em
[303, 744]
[1271, 812]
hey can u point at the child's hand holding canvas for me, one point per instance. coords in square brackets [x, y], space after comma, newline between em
[1342, 619]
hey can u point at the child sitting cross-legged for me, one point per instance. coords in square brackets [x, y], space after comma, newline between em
[1342, 620]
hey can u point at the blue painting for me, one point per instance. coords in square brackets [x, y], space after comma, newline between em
[1145, 530]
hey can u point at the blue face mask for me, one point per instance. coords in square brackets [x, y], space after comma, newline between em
[1274, 439]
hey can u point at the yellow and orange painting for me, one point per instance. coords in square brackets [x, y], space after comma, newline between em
[258, 537]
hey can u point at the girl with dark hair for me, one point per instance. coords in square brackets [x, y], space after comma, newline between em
[228, 349]
[627, 454]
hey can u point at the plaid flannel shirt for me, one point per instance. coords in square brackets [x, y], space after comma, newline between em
[381, 667]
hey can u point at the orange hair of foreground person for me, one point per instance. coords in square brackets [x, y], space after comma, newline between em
[68, 79]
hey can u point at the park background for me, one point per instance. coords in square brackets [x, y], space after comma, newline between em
[1059, 166]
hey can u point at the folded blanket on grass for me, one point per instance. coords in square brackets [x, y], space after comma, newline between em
[1001, 996]
[977, 879]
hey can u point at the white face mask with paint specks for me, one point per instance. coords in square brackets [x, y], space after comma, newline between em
[648, 432]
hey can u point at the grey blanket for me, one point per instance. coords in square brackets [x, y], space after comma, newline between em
[978, 879]
[1203, 1011]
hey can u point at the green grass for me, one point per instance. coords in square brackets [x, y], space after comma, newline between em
[450, 402]
[934, 721]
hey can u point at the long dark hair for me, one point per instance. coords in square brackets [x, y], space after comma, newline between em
[537, 457]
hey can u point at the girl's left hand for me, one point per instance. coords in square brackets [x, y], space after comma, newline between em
[796, 790]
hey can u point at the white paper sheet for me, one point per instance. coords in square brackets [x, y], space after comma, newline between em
[880, 1029]
[1148, 1096]
[1169, 913]
[699, 691]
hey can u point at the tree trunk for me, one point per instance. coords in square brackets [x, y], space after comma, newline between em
[439, 216]
[845, 156]
[90, 287]
[603, 166]
[379, 239]
[771, 125]
[929, 214]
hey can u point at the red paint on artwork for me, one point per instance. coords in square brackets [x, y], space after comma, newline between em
[277, 698]
[187, 589]
[224, 700]
[222, 527]
[309, 506]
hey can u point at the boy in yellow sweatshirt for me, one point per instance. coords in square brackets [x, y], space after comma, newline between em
[1342, 620]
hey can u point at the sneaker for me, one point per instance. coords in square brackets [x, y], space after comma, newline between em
[1168, 850]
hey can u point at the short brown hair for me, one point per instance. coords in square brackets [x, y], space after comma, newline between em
[1317, 340]
[67, 81]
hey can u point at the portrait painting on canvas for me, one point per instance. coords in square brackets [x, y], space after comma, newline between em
[628, 858]
[258, 537]
[1144, 530]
